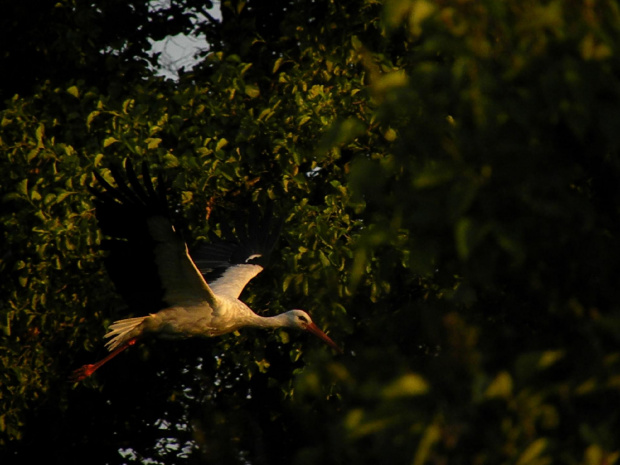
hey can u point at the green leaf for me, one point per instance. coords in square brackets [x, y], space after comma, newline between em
[263, 365]
[62, 196]
[245, 68]
[463, 234]
[40, 134]
[22, 187]
[252, 90]
[550, 357]
[49, 198]
[170, 161]
[286, 282]
[500, 387]
[109, 141]
[432, 435]
[153, 142]
[390, 135]
[91, 116]
[128, 105]
[410, 384]
[533, 451]
[73, 90]
[420, 11]
[390, 81]
[266, 114]
[35, 195]
[324, 260]
[277, 64]
[32, 154]
[356, 43]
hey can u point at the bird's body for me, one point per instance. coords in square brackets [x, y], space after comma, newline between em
[151, 266]
[197, 319]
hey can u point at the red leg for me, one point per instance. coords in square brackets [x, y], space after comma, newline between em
[87, 370]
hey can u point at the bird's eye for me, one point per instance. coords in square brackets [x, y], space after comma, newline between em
[302, 318]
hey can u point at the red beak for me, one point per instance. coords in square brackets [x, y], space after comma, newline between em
[314, 329]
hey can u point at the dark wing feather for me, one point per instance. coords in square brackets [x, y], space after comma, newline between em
[147, 260]
[229, 266]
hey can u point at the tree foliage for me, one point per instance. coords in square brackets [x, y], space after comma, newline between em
[449, 179]
[106, 43]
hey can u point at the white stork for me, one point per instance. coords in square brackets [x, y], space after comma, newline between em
[166, 281]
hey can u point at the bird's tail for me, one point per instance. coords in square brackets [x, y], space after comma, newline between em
[120, 331]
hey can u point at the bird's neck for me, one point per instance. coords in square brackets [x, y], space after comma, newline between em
[277, 321]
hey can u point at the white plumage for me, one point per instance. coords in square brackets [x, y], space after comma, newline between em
[150, 264]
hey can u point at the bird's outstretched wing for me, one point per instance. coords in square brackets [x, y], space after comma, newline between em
[148, 259]
[229, 266]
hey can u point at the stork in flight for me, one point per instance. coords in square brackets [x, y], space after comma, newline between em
[150, 265]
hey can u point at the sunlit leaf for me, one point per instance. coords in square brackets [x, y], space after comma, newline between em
[252, 90]
[22, 187]
[391, 80]
[533, 452]
[73, 90]
[109, 141]
[549, 358]
[500, 387]
[432, 434]
[420, 11]
[91, 116]
[277, 64]
[153, 142]
[40, 134]
[410, 384]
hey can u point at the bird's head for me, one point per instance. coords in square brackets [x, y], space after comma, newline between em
[301, 320]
